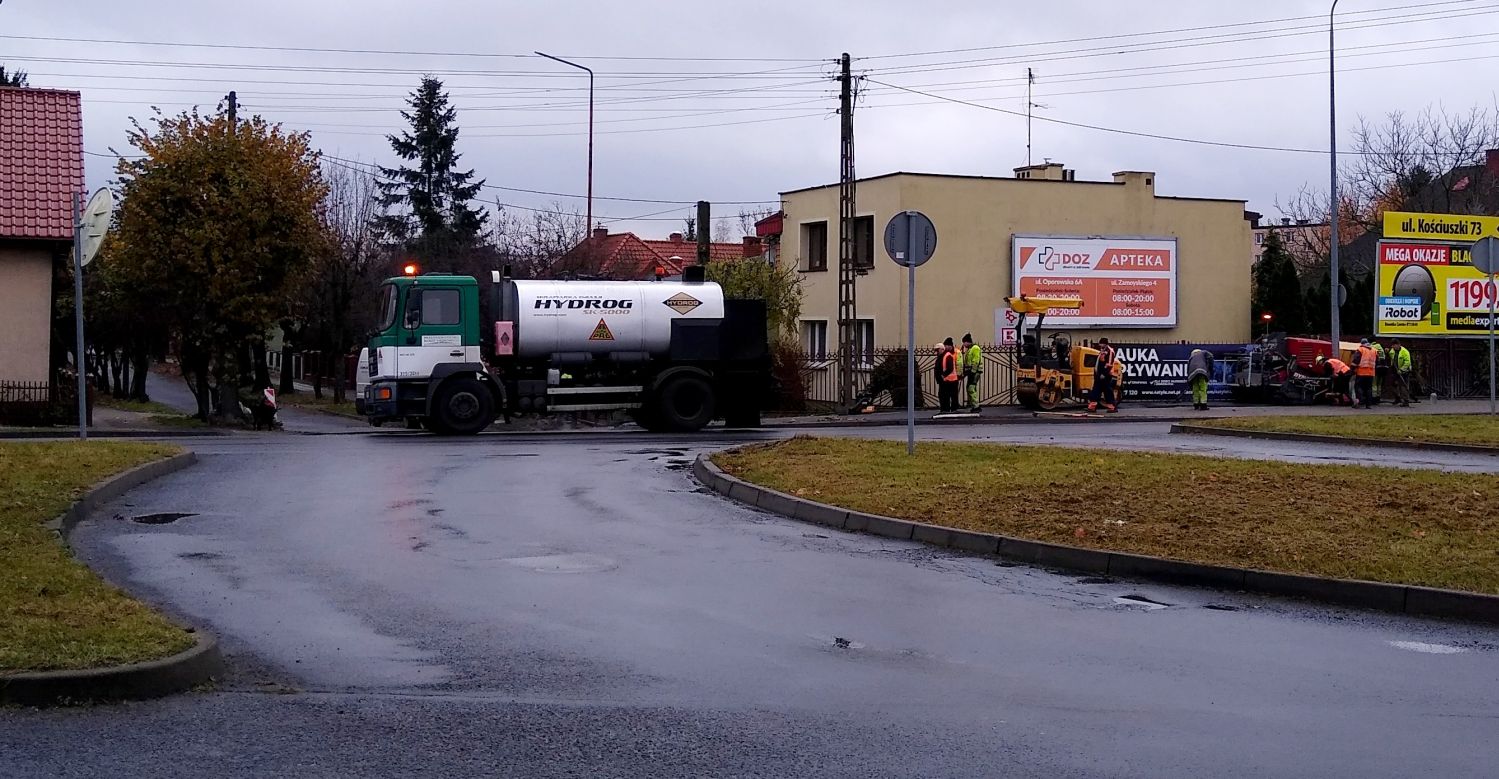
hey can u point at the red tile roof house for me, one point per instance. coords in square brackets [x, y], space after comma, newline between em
[41, 166]
[627, 257]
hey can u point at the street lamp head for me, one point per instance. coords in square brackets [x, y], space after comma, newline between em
[1266, 316]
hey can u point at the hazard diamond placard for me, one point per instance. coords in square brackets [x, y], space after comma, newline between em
[601, 332]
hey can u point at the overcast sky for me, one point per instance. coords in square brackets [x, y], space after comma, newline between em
[748, 110]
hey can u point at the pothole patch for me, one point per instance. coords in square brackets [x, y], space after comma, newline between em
[1140, 601]
[161, 518]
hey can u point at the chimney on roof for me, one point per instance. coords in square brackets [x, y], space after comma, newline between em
[600, 233]
[1047, 171]
[676, 237]
[1285, 221]
[1136, 178]
[752, 247]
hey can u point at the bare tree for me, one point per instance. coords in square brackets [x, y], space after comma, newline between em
[749, 216]
[723, 231]
[535, 243]
[338, 302]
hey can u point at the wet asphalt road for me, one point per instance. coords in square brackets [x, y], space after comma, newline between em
[395, 604]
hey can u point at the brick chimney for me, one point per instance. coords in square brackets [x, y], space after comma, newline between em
[752, 247]
[600, 233]
[676, 237]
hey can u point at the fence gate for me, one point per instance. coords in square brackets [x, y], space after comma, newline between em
[820, 375]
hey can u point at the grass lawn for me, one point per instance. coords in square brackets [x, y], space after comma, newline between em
[1475, 429]
[157, 413]
[325, 403]
[54, 612]
[1381, 524]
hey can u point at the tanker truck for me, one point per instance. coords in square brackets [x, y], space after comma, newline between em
[675, 355]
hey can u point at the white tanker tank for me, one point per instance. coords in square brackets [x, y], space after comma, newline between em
[598, 317]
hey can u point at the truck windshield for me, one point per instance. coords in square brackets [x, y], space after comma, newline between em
[387, 307]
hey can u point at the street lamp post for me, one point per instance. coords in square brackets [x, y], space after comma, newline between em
[588, 228]
[1267, 317]
[1332, 217]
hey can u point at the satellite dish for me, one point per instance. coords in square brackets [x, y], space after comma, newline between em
[95, 222]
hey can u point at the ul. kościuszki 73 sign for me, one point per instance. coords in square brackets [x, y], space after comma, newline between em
[1122, 282]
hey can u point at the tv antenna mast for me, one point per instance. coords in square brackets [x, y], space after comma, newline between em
[1030, 82]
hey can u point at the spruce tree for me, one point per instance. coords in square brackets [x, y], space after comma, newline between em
[427, 200]
[1277, 290]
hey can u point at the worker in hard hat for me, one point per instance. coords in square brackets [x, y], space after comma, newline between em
[1340, 373]
[948, 387]
[1366, 364]
[973, 368]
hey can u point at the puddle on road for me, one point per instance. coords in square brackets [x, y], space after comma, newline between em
[1220, 607]
[1095, 580]
[1140, 601]
[565, 563]
[161, 518]
[1427, 649]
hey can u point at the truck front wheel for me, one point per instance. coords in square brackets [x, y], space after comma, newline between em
[463, 407]
[685, 403]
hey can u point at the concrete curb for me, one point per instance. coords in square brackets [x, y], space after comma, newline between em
[114, 487]
[854, 420]
[1314, 438]
[187, 432]
[1399, 598]
[200, 664]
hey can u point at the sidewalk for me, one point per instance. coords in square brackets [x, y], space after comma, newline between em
[1128, 412]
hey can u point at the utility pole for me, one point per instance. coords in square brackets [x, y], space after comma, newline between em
[1335, 326]
[704, 214]
[1030, 81]
[847, 273]
[233, 111]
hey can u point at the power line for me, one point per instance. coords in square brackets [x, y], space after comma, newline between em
[1123, 36]
[575, 195]
[391, 52]
[1100, 128]
[1173, 44]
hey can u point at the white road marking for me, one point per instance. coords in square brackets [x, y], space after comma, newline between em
[1425, 648]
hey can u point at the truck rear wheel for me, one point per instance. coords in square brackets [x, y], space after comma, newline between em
[463, 407]
[685, 403]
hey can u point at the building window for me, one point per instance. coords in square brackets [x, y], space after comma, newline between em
[864, 342]
[864, 242]
[815, 246]
[815, 338]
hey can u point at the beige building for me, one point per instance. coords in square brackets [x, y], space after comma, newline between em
[1187, 253]
[41, 167]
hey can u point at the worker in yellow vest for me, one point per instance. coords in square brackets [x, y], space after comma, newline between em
[973, 369]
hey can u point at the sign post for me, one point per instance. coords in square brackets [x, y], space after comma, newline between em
[91, 223]
[910, 240]
[1485, 254]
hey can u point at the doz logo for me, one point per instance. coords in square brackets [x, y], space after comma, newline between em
[1049, 258]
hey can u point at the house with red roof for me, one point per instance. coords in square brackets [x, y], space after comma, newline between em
[628, 257]
[41, 167]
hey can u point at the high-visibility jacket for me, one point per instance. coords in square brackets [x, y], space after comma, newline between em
[949, 366]
[973, 361]
[1367, 358]
[1106, 360]
[1401, 358]
[1338, 366]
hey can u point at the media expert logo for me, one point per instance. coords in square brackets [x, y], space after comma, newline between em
[682, 303]
[1051, 259]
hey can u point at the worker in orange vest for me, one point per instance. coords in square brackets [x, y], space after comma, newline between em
[1366, 363]
[947, 393]
[1340, 373]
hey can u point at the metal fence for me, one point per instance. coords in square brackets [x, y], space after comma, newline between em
[40, 402]
[820, 376]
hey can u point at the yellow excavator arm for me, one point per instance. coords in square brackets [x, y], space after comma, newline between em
[1030, 305]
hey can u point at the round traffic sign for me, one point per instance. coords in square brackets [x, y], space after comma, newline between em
[1486, 255]
[910, 239]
